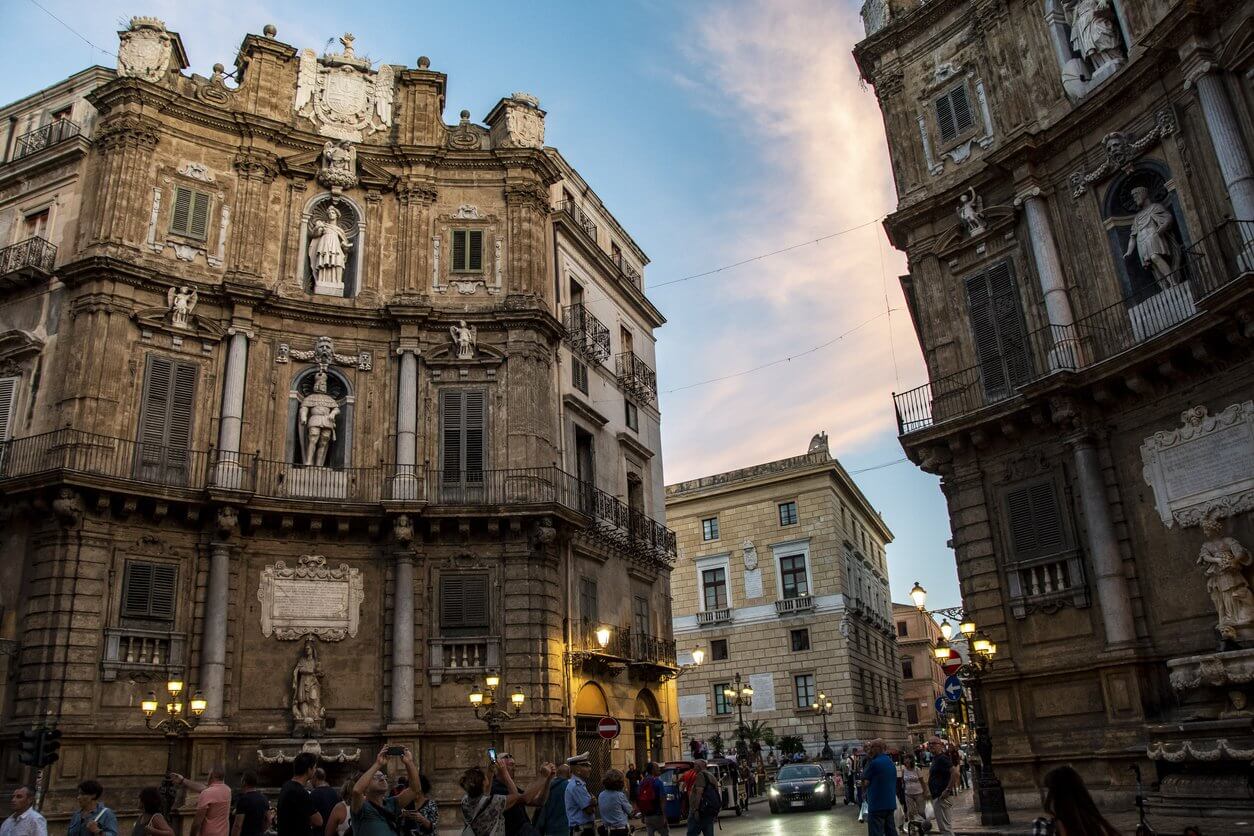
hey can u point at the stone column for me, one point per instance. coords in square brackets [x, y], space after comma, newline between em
[1065, 354]
[229, 471]
[403, 638]
[1225, 133]
[405, 484]
[1111, 586]
[213, 636]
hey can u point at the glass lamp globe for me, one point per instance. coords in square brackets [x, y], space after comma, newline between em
[947, 629]
[918, 595]
[698, 656]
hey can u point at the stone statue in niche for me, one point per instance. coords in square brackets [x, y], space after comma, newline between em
[464, 338]
[328, 253]
[1224, 562]
[971, 213]
[318, 413]
[181, 301]
[339, 165]
[1150, 238]
[307, 710]
[1095, 33]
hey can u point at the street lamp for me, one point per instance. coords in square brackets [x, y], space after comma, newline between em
[992, 798]
[740, 695]
[698, 656]
[486, 709]
[823, 707]
[175, 725]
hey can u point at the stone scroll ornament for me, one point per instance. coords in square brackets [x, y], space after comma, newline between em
[1204, 468]
[310, 599]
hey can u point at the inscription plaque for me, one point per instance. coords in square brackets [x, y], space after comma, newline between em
[1204, 467]
[310, 599]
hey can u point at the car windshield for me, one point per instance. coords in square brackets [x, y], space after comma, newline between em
[801, 772]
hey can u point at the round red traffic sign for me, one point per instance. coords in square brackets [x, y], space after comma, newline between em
[608, 728]
[953, 664]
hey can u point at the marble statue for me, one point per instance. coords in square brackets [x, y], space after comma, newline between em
[464, 337]
[1095, 32]
[971, 213]
[307, 710]
[1150, 238]
[328, 250]
[318, 412]
[1224, 562]
[182, 301]
[339, 165]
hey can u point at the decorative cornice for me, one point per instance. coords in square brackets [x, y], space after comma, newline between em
[128, 130]
[256, 164]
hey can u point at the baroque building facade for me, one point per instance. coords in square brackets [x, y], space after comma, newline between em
[299, 408]
[1076, 203]
[782, 580]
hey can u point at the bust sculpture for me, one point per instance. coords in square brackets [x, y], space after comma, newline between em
[182, 302]
[464, 339]
[1224, 562]
[307, 710]
[1150, 238]
[318, 412]
[328, 251]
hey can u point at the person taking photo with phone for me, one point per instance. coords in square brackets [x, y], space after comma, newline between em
[374, 812]
[516, 821]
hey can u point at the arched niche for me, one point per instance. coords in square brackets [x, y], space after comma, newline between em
[339, 454]
[646, 705]
[1082, 73]
[351, 221]
[1118, 211]
[591, 701]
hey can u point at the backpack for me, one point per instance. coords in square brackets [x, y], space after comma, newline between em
[646, 796]
[711, 799]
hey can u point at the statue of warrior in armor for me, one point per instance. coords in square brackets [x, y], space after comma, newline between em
[318, 412]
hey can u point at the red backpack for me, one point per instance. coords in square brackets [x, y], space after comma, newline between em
[646, 796]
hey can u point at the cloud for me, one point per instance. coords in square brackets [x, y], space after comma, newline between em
[787, 84]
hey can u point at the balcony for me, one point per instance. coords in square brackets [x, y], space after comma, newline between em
[580, 217]
[26, 261]
[460, 658]
[635, 377]
[49, 135]
[627, 270]
[791, 606]
[653, 651]
[1211, 268]
[1047, 584]
[142, 653]
[706, 618]
[585, 334]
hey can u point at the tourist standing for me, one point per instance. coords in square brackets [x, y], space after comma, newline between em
[423, 813]
[296, 810]
[633, 782]
[913, 789]
[614, 804]
[651, 802]
[213, 802]
[702, 811]
[483, 812]
[252, 809]
[375, 813]
[516, 822]
[1070, 807]
[552, 818]
[92, 817]
[323, 795]
[879, 777]
[151, 821]
[25, 820]
[342, 813]
[581, 807]
[942, 779]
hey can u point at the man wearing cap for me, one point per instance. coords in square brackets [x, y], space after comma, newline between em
[580, 805]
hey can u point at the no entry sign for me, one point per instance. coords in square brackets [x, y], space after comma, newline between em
[608, 728]
[953, 664]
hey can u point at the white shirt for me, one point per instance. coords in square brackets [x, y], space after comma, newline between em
[30, 823]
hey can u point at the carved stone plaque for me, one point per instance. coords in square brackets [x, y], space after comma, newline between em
[1204, 467]
[311, 599]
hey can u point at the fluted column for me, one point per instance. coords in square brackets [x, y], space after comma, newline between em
[1225, 133]
[1053, 281]
[405, 484]
[1111, 585]
[231, 424]
[213, 638]
[403, 638]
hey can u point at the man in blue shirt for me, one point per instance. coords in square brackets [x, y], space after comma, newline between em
[580, 805]
[879, 776]
[92, 818]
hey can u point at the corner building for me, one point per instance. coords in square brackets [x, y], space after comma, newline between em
[306, 375]
[1076, 203]
[782, 578]
[921, 677]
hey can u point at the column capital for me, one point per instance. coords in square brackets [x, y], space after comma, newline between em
[1196, 60]
[408, 347]
[242, 331]
[1028, 192]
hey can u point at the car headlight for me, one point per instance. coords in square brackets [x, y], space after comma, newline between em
[773, 792]
[821, 788]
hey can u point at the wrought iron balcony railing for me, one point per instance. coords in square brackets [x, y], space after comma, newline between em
[635, 376]
[26, 260]
[49, 135]
[585, 334]
[1215, 263]
[653, 650]
[580, 217]
[627, 269]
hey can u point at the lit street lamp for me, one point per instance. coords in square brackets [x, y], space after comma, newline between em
[176, 725]
[740, 696]
[486, 709]
[823, 707]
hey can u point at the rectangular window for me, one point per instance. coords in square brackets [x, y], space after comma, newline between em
[579, 375]
[721, 706]
[190, 217]
[714, 588]
[792, 571]
[148, 590]
[8, 399]
[709, 529]
[1035, 521]
[903, 629]
[788, 513]
[718, 650]
[462, 435]
[907, 669]
[800, 640]
[35, 225]
[998, 330]
[642, 621]
[625, 340]
[632, 416]
[953, 114]
[803, 683]
[912, 713]
[467, 251]
[61, 115]
[588, 599]
[165, 421]
[464, 604]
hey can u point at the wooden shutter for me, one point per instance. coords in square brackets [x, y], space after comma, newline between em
[451, 434]
[180, 220]
[474, 435]
[945, 119]
[579, 375]
[475, 246]
[165, 424]
[459, 249]
[8, 398]
[148, 590]
[463, 418]
[1034, 520]
[997, 326]
[198, 226]
[962, 110]
[588, 599]
[464, 602]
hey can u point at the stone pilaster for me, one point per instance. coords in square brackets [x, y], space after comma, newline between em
[413, 243]
[256, 170]
[126, 143]
[526, 210]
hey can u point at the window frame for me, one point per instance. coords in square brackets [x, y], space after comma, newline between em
[189, 232]
[579, 375]
[467, 265]
[960, 134]
[792, 639]
[791, 548]
[707, 585]
[466, 626]
[722, 643]
[787, 504]
[466, 475]
[709, 529]
[912, 709]
[903, 629]
[149, 614]
[722, 707]
[811, 690]
[797, 567]
[907, 668]
[587, 584]
[631, 415]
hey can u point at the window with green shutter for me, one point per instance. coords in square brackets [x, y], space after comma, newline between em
[148, 590]
[463, 420]
[467, 251]
[190, 217]
[464, 605]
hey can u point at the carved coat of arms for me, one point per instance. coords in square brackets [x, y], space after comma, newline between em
[341, 95]
[144, 50]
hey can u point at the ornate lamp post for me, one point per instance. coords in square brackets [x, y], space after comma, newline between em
[991, 796]
[823, 707]
[487, 710]
[176, 725]
[739, 695]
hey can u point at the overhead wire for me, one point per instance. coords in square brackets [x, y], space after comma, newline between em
[76, 33]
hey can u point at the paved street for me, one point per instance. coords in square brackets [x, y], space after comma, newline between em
[841, 821]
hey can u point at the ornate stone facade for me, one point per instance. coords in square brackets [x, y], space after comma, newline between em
[252, 419]
[1101, 293]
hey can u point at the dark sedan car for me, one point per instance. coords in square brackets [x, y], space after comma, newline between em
[801, 786]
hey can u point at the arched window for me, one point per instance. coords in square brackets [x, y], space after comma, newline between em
[333, 234]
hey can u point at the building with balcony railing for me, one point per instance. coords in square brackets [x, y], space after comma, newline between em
[1077, 209]
[782, 577]
[289, 393]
